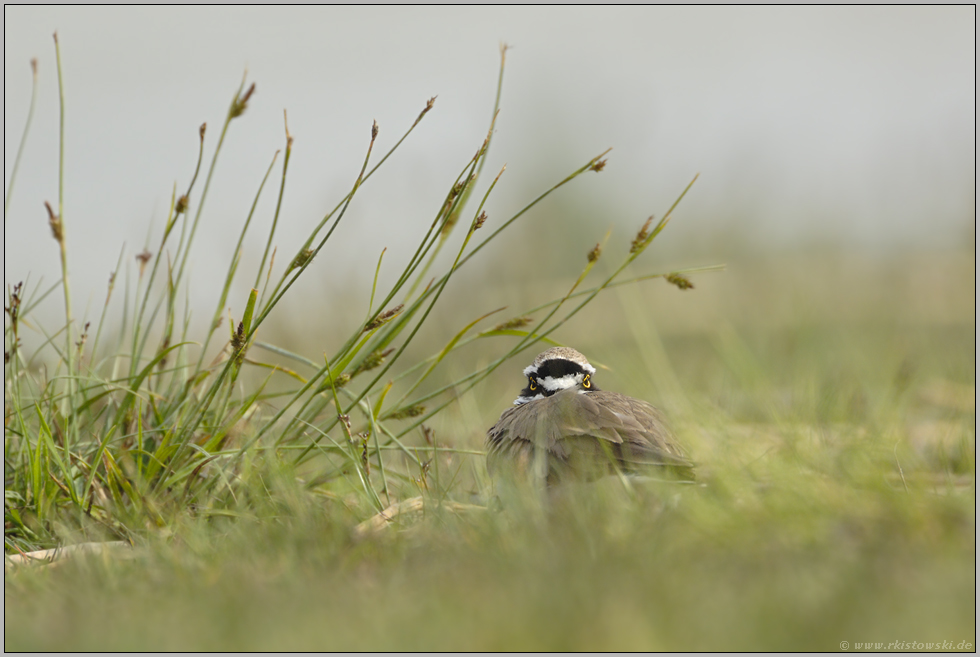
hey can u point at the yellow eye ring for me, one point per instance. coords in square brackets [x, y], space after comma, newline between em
[586, 382]
[533, 387]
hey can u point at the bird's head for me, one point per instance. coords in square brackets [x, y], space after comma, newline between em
[555, 370]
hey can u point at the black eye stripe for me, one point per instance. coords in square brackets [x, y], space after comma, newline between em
[554, 369]
[558, 367]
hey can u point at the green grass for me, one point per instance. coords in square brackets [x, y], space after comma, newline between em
[828, 400]
[804, 533]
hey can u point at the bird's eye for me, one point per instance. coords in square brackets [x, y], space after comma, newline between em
[533, 385]
[586, 382]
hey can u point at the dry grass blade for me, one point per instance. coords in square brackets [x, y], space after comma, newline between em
[114, 549]
[377, 523]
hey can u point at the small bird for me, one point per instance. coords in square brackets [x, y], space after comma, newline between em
[562, 427]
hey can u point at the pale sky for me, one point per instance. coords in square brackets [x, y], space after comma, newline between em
[853, 126]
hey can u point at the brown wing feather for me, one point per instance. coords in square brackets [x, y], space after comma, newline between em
[582, 431]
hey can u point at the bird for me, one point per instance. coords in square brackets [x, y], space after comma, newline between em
[563, 428]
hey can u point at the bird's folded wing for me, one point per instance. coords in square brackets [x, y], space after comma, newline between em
[561, 421]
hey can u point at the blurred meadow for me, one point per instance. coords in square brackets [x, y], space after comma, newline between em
[267, 434]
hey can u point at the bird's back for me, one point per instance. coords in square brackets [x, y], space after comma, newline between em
[585, 435]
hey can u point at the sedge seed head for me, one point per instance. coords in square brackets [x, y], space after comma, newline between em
[641, 237]
[682, 282]
[383, 318]
[238, 340]
[595, 252]
[483, 149]
[425, 110]
[54, 221]
[414, 410]
[338, 383]
[143, 258]
[83, 337]
[479, 221]
[14, 300]
[510, 324]
[373, 360]
[240, 104]
[301, 259]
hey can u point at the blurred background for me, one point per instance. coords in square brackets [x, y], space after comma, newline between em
[835, 148]
[842, 129]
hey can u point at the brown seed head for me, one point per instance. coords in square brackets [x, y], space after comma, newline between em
[383, 318]
[339, 382]
[597, 166]
[238, 340]
[374, 131]
[84, 336]
[595, 252]
[408, 411]
[365, 462]
[373, 360]
[428, 106]
[14, 300]
[143, 258]
[641, 237]
[457, 189]
[241, 103]
[13, 309]
[482, 149]
[54, 221]
[682, 282]
[514, 323]
[182, 204]
[479, 221]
